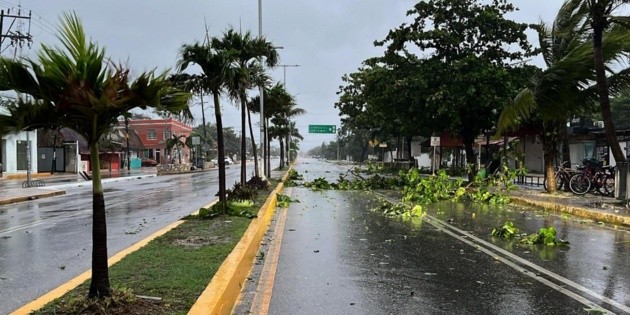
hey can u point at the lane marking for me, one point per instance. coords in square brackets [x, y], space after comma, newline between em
[518, 263]
[264, 289]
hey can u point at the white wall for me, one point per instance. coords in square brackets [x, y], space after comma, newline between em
[10, 152]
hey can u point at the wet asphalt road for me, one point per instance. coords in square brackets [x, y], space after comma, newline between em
[46, 242]
[338, 257]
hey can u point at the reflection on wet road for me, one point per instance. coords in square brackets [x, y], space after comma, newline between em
[339, 257]
[46, 242]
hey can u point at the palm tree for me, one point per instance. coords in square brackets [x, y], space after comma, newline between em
[245, 51]
[276, 97]
[177, 143]
[287, 113]
[294, 133]
[601, 17]
[564, 88]
[213, 63]
[74, 87]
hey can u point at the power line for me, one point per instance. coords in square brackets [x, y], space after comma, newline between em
[14, 32]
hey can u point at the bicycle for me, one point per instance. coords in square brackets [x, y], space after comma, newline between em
[563, 175]
[593, 176]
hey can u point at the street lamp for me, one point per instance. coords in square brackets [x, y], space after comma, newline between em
[284, 82]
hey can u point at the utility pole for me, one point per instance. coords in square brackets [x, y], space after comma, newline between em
[17, 37]
[284, 82]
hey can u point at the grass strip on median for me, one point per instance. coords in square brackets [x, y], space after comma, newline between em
[175, 267]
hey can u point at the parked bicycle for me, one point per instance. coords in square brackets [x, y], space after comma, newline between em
[593, 177]
[563, 175]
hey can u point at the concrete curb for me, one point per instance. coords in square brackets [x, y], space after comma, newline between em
[576, 211]
[223, 290]
[31, 197]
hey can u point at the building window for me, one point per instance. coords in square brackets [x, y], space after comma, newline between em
[167, 134]
[151, 134]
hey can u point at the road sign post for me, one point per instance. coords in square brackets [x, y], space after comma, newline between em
[435, 142]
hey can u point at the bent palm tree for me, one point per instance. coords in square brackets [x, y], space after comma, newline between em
[73, 87]
[565, 87]
[212, 63]
[177, 143]
[600, 14]
[245, 50]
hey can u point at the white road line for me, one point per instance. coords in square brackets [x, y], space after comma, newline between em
[517, 263]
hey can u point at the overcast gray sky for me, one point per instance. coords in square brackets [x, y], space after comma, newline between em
[326, 38]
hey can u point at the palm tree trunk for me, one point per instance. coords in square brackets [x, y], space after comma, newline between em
[288, 150]
[99, 285]
[243, 143]
[602, 88]
[281, 152]
[220, 151]
[251, 134]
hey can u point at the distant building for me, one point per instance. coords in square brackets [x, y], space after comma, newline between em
[154, 133]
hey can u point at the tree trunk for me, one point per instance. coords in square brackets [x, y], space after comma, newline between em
[99, 285]
[598, 24]
[469, 142]
[281, 152]
[551, 137]
[251, 134]
[288, 144]
[220, 151]
[243, 144]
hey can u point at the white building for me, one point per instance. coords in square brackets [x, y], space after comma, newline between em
[15, 153]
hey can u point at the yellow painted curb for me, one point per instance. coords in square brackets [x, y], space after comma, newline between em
[78, 280]
[221, 294]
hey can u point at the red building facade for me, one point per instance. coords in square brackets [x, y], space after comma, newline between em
[154, 133]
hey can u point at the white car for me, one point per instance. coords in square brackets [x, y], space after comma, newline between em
[228, 161]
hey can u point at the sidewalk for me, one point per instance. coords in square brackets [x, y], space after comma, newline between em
[595, 207]
[11, 190]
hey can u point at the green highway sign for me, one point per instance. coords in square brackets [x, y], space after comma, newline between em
[322, 129]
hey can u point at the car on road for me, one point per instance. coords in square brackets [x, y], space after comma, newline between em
[228, 161]
[148, 162]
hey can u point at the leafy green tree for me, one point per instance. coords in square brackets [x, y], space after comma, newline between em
[75, 87]
[620, 107]
[467, 45]
[243, 74]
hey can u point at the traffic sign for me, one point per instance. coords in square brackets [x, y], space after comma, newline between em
[435, 141]
[322, 129]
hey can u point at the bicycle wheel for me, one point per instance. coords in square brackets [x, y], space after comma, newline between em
[609, 186]
[579, 184]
